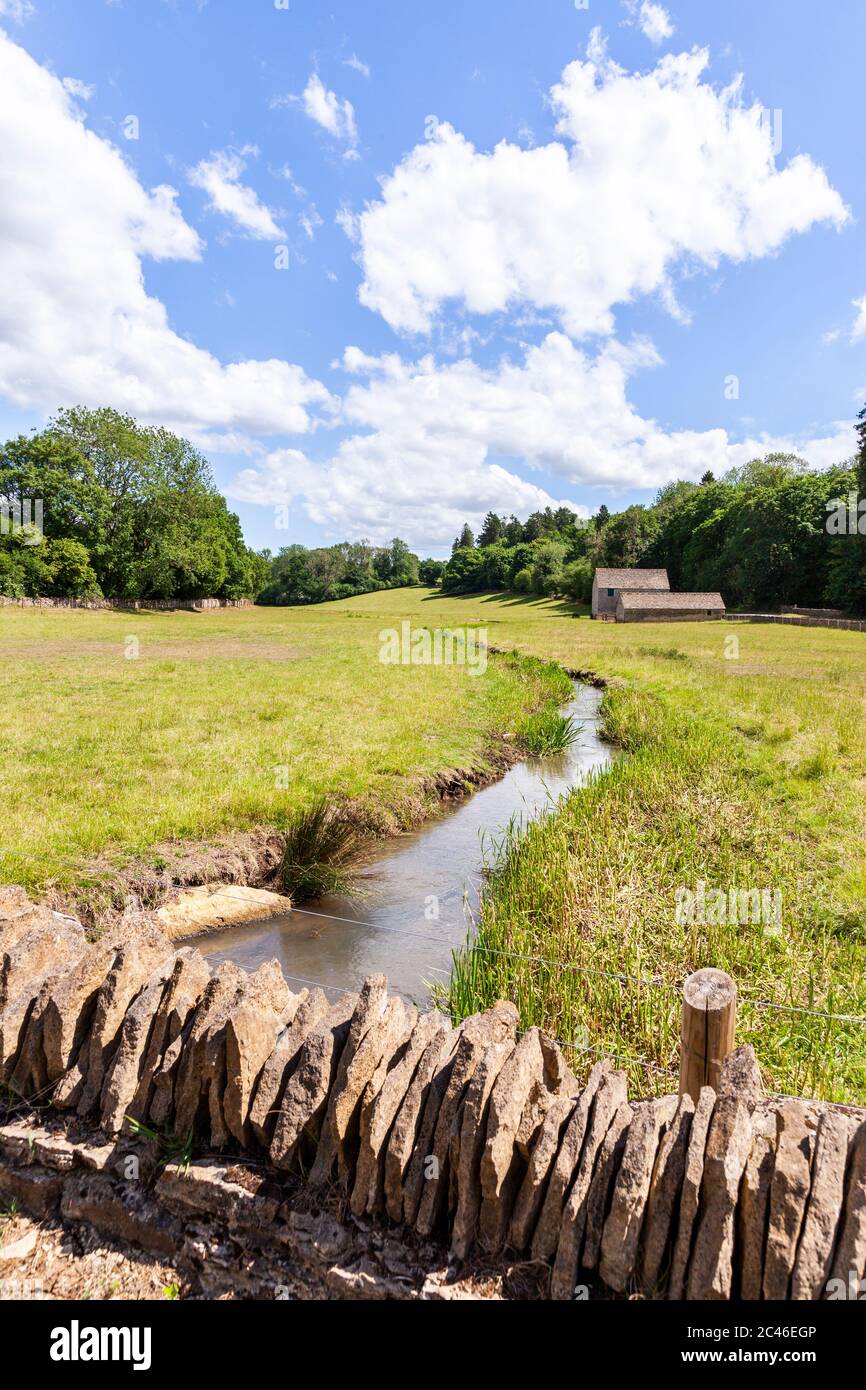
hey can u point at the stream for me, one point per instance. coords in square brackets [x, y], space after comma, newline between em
[416, 897]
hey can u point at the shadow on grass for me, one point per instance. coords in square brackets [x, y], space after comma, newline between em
[556, 607]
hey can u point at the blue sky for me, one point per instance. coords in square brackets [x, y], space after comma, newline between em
[562, 267]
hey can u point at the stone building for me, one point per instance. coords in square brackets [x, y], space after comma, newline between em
[657, 606]
[607, 584]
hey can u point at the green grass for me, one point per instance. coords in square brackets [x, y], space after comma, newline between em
[321, 845]
[743, 772]
[228, 722]
[547, 732]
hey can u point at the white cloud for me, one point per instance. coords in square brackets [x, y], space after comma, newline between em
[17, 10]
[652, 171]
[859, 328]
[76, 322]
[654, 22]
[82, 91]
[429, 441]
[327, 110]
[358, 64]
[220, 177]
[310, 221]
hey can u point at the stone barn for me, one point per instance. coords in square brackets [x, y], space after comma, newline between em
[643, 605]
[607, 584]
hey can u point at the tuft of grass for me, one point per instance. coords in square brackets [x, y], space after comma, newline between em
[817, 765]
[664, 653]
[172, 1148]
[321, 845]
[547, 731]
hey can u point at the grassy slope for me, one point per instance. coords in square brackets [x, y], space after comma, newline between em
[109, 755]
[744, 773]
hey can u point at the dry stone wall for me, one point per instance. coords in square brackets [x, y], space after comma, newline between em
[150, 605]
[476, 1137]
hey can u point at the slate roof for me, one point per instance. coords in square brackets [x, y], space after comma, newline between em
[632, 579]
[664, 600]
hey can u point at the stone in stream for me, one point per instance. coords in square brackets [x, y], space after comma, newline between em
[690, 1193]
[534, 1075]
[602, 1184]
[312, 1005]
[154, 1093]
[129, 974]
[356, 1066]
[403, 1140]
[564, 1167]
[381, 1101]
[850, 1262]
[665, 1189]
[306, 1094]
[468, 1157]
[824, 1213]
[610, 1095]
[729, 1142]
[252, 1032]
[789, 1192]
[622, 1229]
[123, 1075]
[477, 1033]
[754, 1203]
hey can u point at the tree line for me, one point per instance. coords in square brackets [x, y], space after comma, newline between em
[302, 575]
[98, 506]
[765, 534]
[131, 511]
[127, 512]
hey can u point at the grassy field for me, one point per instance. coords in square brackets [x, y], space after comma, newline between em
[745, 770]
[124, 731]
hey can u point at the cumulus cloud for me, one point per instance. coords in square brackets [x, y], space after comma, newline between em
[859, 328]
[220, 178]
[327, 110]
[651, 171]
[654, 22]
[76, 322]
[427, 441]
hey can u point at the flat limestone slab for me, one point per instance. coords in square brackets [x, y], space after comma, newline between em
[215, 905]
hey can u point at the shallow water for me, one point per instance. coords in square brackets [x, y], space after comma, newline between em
[417, 896]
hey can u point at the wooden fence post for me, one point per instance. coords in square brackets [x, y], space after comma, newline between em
[708, 1025]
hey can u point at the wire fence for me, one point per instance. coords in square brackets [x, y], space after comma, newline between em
[650, 981]
[653, 1069]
